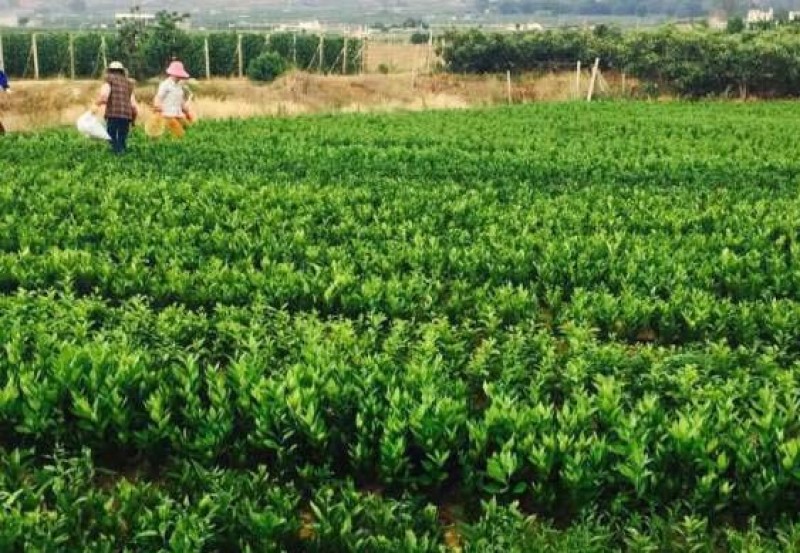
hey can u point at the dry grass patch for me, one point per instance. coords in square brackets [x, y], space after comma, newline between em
[399, 58]
[34, 105]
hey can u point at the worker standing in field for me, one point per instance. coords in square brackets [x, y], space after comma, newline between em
[171, 99]
[119, 98]
[5, 87]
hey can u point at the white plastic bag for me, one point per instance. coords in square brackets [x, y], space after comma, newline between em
[91, 127]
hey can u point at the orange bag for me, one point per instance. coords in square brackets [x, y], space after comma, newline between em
[175, 127]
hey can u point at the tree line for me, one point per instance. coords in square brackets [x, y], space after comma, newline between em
[671, 8]
[147, 51]
[689, 62]
[674, 8]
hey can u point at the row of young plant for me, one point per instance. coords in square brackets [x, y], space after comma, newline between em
[590, 311]
[548, 148]
[81, 350]
[697, 62]
[557, 421]
[684, 315]
[62, 54]
[69, 503]
[709, 260]
[381, 247]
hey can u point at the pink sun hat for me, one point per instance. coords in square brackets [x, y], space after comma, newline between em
[177, 70]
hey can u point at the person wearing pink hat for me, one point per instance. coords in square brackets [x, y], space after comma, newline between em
[170, 100]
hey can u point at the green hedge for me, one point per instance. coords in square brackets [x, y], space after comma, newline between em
[54, 58]
[694, 63]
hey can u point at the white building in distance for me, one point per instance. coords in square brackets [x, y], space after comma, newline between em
[760, 16]
[144, 19]
[717, 20]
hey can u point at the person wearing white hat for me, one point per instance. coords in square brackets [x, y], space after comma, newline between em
[170, 100]
[118, 97]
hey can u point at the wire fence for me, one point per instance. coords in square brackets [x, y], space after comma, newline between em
[208, 55]
[416, 66]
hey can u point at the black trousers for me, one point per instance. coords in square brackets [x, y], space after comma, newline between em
[118, 128]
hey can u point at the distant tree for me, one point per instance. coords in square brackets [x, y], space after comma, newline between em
[674, 8]
[411, 23]
[266, 67]
[420, 38]
[147, 50]
[736, 25]
[130, 35]
[604, 31]
[164, 41]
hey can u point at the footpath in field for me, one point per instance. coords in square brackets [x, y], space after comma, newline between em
[545, 328]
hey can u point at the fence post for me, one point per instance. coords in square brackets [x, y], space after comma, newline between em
[415, 62]
[240, 55]
[578, 81]
[364, 53]
[207, 55]
[2, 56]
[624, 84]
[508, 86]
[103, 51]
[344, 56]
[429, 55]
[321, 54]
[72, 56]
[35, 54]
[294, 49]
[392, 64]
[594, 79]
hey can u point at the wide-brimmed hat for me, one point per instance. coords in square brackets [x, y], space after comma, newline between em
[177, 70]
[116, 65]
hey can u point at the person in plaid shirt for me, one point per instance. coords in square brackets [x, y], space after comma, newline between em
[119, 99]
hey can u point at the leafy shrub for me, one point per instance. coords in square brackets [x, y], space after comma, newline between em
[420, 38]
[266, 68]
[736, 25]
[691, 63]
